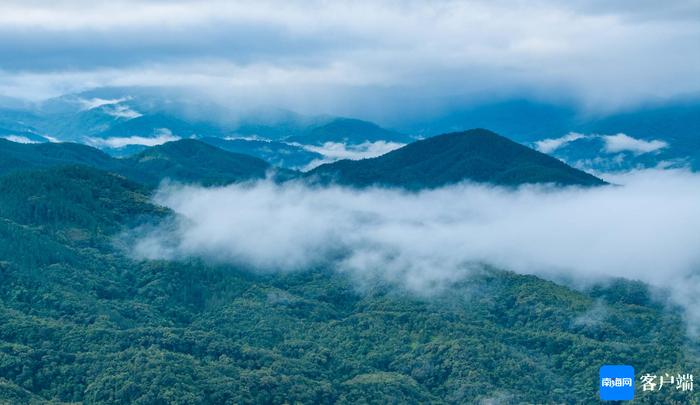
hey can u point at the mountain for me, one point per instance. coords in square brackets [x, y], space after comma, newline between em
[189, 160]
[675, 122]
[108, 118]
[278, 154]
[158, 124]
[17, 125]
[613, 153]
[349, 131]
[21, 136]
[185, 160]
[18, 156]
[81, 321]
[476, 155]
[74, 197]
[81, 125]
[276, 123]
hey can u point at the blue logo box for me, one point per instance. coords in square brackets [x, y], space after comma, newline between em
[616, 383]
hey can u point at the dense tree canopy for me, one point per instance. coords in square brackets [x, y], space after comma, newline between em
[81, 321]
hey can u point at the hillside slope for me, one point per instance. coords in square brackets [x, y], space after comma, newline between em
[84, 322]
[188, 160]
[185, 160]
[18, 156]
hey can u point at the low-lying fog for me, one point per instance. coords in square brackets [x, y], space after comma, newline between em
[646, 228]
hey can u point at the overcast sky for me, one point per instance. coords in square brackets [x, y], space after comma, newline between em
[318, 53]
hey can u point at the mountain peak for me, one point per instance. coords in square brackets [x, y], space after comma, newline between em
[193, 160]
[477, 155]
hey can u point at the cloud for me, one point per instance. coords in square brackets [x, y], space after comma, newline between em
[122, 111]
[334, 151]
[625, 143]
[89, 104]
[611, 143]
[19, 139]
[110, 106]
[644, 230]
[550, 145]
[119, 142]
[338, 52]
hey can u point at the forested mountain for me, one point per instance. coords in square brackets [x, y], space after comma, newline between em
[477, 155]
[124, 121]
[675, 122]
[18, 156]
[73, 197]
[81, 321]
[188, 160]
[185, 160]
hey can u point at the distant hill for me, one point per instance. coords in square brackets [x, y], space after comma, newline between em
[596, 153]
[157, 124]
[21, 136]
[677, 124]
[276, 123]
[189, 160]
[94, 115]
[186, 160]
[349, 131]
[276, 153]
[476, 155]
[18, 156]
[675, 121]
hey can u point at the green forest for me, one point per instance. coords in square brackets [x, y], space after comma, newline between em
[83, 322]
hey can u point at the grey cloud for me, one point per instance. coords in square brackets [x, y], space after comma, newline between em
[603, 55]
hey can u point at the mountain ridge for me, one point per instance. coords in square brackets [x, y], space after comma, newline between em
[184, 160]
[476, 155]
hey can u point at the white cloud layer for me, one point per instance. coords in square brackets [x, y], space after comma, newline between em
[334, 151]
[644, 230]
[95, 102]
[19, 139]
[625, 143]
[550, 145]
[611, 143]
[122, 111]
[119, 142]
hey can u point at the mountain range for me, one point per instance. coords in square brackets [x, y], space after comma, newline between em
[185, 160]
[84, 320]
[476, 155]
[122, 121]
